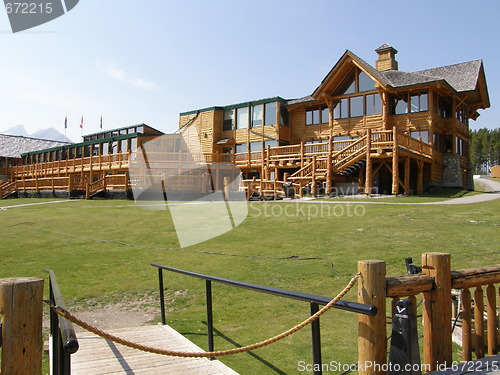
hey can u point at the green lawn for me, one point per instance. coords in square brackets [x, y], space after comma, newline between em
[85, 243]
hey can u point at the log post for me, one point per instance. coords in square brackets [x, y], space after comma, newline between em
[466, 326]
[479, 322]
[21, 308]
[372, 333]
[395, 162]
[492, 319]
[368, 172]
[407, 176]
[437, 311]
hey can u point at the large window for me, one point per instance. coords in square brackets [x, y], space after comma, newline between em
[442, 106]
[365, 83]
[357, 106]
[373, 104]
[242, 118]
[228, 123]
[356, 81]
[257, 115]
[255, 146]
[317, 115]
[399, 104]
[421, 134]
[419, 102]
[270, 113]
[241, 147]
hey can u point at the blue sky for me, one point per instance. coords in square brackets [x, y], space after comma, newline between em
[146, 61]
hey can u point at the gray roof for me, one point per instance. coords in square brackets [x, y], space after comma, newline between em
[12, 146]
[461, 77]
[305, 99]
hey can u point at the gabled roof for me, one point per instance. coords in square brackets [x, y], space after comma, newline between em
[461, 78]
[12, 146]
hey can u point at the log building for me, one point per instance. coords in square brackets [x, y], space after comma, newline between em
[364, 129]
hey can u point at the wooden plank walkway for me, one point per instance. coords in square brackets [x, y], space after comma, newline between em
[97, 356]
[488, 365]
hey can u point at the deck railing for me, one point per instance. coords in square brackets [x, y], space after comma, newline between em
[434, 286]
[64, 342]
[313, 300]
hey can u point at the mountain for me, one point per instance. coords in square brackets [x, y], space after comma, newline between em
[51, 133]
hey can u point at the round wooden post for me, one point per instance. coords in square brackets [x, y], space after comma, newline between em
[368, 171]
[21, 307]
[437, 311]
[372, 333]
[395, 162]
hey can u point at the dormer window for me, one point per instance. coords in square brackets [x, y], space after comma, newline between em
[356, 81]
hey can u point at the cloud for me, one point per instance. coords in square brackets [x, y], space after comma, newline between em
[121, 75]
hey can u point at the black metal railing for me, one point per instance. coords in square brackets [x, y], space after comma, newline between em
[64, 341]
[314, 301]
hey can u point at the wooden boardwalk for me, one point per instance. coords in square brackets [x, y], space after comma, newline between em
[97, 356]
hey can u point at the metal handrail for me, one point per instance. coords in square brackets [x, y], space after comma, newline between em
[64, 341]
[313, 300]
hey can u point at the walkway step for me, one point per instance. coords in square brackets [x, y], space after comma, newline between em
[97, 356]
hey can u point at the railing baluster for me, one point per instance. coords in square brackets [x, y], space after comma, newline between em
[162, 297]
[316, 340]
[210, 320]
[466, 326]
[492, 319]
[479, 322]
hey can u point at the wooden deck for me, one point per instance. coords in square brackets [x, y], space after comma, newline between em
[489, 365]
[97, 356]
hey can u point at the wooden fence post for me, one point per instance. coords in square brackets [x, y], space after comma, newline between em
[21, 302]
[372, 333]
[437, 311]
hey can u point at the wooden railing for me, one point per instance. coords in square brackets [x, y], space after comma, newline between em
[7, 189]
[434, 286]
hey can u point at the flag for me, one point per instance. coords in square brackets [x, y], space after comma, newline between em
[101, 123]
[81, 123]
[66, 122]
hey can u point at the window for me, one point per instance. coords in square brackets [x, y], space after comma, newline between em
[256, 115]
[357, 105]
[317, 115]
[241, 147]
[270, 113]
[442, 106]
[365, 83]
[255, 146]
[270, 143]
[325, 115]
[373, 104]
[399, 104]
[283, 116]
[242, 118]
[418, 102]
[228, 123]
[421, 134]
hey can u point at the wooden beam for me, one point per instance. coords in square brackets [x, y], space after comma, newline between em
[372, 334]
[437, 311]
[395, 162]
[21, 307]
[369, 175]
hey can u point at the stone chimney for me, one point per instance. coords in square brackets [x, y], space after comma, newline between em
[386, 58]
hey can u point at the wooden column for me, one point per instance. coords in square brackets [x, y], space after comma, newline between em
[437, 311]
[492, 319]
[395, 162]
[466, 326]
[372, 333]
[479, 322]
[301, 154]
[329, 167]
[368, 174]
[407, 176]
[420, 177]
[21, 302]
[313, 176]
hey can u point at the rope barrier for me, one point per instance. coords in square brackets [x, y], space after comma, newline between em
[67, 315]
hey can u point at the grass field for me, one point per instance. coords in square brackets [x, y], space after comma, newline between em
[102, 250]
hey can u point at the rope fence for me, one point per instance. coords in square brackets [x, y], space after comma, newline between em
[67, 315]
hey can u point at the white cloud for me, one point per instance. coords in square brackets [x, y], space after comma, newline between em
[120, 75]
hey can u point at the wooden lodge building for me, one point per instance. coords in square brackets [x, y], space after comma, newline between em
[364, 129]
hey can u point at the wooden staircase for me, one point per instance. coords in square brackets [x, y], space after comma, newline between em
[8, 189]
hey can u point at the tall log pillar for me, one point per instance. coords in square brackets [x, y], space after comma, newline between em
[437, 311]
[407, 176]
[368, 172]
[372, 333]
[21, 302]
[395, 162]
